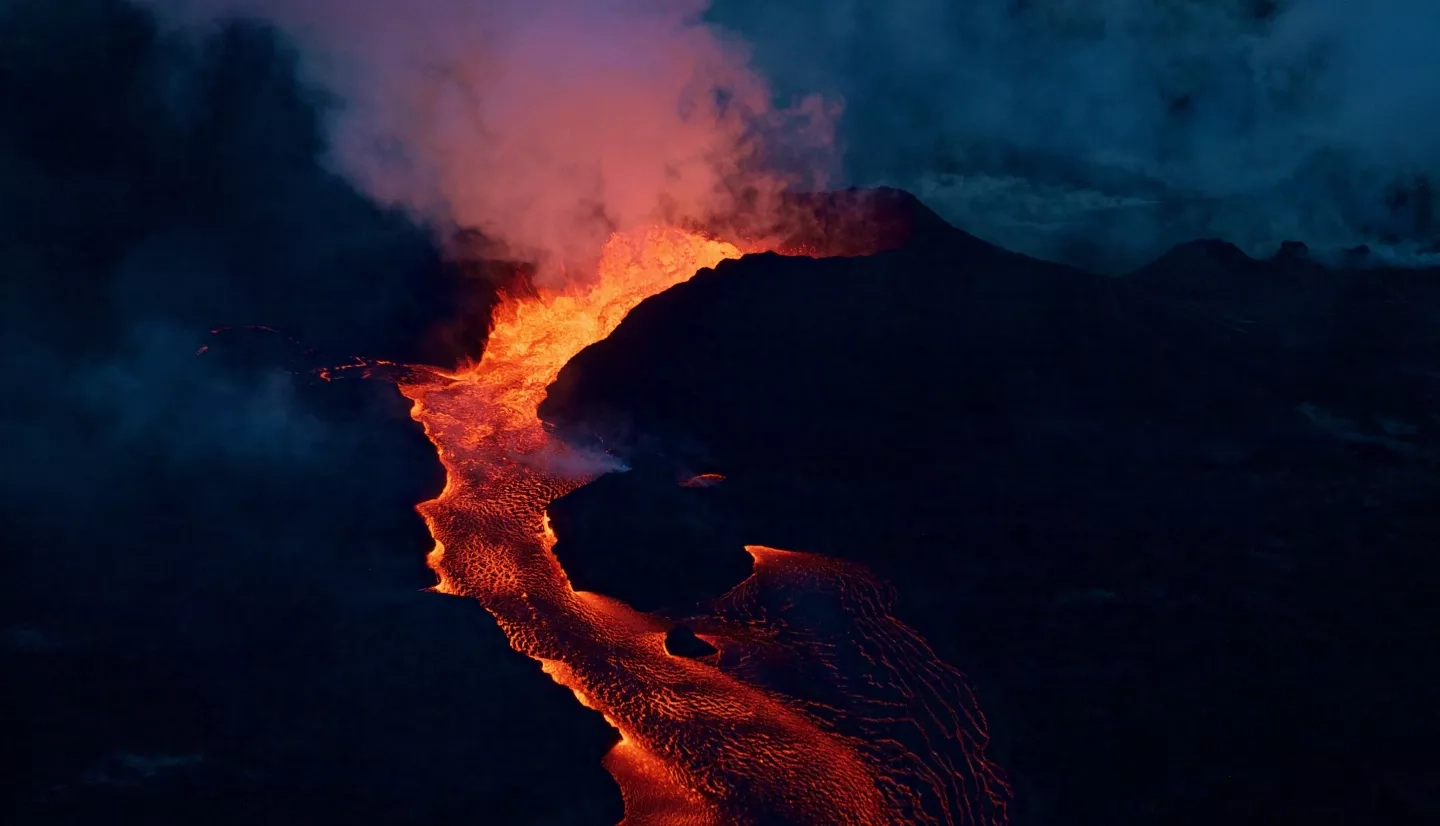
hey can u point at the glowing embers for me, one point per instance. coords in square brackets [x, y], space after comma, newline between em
[817, 708]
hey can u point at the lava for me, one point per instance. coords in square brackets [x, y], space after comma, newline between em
[819, 708]
[703, 480]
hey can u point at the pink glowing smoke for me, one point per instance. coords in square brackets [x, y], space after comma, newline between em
[546, 124]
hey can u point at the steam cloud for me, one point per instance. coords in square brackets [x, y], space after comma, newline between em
[1103, 131]
[545, 124]
[1095, 132]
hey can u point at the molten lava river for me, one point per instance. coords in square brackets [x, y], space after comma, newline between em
[816, 708]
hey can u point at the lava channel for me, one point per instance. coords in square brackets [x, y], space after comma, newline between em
[818, 707]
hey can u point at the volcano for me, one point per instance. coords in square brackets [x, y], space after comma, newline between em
[1125, 469]
[745, 513]
[1177, 525]
[825, 713]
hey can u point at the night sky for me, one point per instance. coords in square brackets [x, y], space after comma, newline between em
[1175, 525]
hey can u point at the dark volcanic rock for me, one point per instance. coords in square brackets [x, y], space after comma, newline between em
[842, 223]
[1178, 526]
[682, 642]
[670, 562]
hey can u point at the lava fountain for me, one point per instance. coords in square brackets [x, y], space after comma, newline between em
[814, 710]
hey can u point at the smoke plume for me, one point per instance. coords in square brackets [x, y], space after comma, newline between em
[1102, 132]
[545, 124]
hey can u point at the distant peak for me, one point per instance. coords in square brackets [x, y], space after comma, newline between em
[1291, 251]
[1214, 249]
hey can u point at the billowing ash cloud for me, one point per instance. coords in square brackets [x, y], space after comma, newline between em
[1100, 131]
[545, 124]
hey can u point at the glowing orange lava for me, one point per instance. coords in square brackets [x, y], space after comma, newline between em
[701, 742]
[703, 480]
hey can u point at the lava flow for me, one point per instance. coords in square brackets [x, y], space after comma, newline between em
[818, 707]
